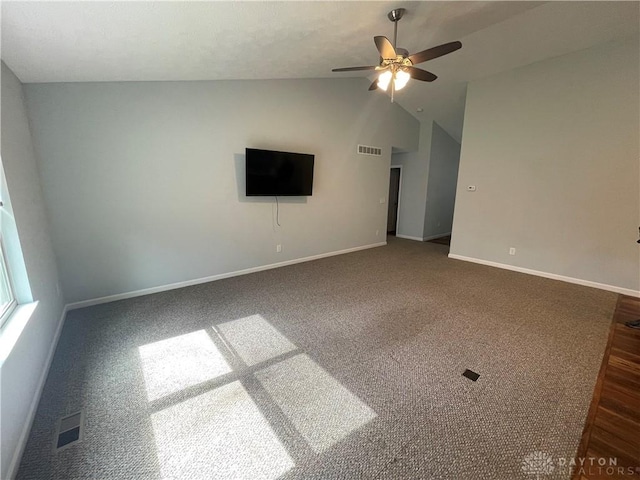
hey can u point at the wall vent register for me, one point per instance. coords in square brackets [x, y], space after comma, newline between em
[366, 150]
[70, 430]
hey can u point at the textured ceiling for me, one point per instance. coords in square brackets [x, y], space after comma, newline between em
[153, 41]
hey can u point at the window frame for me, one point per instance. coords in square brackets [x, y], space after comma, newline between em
[5, 275]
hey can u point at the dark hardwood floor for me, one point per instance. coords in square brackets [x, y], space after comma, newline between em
[612, 428]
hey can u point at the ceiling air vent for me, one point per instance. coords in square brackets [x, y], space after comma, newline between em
[365, 150]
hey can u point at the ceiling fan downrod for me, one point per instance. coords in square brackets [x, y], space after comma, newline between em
[395, 15]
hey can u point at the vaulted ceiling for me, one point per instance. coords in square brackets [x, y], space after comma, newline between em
[192, 40]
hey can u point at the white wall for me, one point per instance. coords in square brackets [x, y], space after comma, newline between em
[553, 149]
[22, 372]
[413, 197]
[441, 186]
[145, 181]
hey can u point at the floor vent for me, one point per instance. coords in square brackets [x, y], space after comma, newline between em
[365, 150]
[70, 430]
[473, 376]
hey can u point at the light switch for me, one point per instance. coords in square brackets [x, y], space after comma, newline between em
[471, 188]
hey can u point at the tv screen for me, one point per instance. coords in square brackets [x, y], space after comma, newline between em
[272, 173]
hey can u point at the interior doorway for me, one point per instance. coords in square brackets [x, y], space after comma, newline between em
[395, 178]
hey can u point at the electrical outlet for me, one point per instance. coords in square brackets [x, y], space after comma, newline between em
[382, 199]
[512, 251]
[278, 248]
[471, 188]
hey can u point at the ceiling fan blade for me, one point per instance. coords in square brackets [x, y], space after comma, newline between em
[385, 48]
[434, 52]
[420, 74]
[353, 69]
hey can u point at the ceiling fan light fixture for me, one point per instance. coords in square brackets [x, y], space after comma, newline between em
[384, 79]
[401, 79]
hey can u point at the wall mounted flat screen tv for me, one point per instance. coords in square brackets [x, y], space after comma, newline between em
[272, 173]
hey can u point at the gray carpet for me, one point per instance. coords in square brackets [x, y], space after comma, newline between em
[345, 367]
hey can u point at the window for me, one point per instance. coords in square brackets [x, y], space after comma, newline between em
[7, 297]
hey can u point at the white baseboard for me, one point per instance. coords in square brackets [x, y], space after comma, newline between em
[33, 408]
[439, 235]
[197, 281]
[423, 239]
[408, 237]
[553, 276]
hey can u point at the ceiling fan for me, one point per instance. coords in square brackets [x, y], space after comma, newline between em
[396, 65]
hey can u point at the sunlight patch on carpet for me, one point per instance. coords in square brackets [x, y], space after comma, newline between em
[219, 434]
[254, 339]
[320, 407]
[177, 363]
